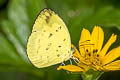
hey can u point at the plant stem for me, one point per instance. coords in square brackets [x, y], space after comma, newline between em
[94, 75]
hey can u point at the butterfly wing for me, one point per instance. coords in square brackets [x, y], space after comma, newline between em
[49, 42]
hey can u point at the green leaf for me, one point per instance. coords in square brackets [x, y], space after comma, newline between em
[16, 25]
[15, 31]
[12, 36]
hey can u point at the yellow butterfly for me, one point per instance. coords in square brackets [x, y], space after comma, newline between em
[49, 42]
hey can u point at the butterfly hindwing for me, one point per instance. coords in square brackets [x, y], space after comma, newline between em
[49, 42]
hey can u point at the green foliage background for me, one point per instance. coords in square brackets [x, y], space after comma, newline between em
[17, 17]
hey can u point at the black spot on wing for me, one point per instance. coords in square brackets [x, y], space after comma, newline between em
[39, 41]
[38, 49]
[59, 28]
[64, 40]
[50, 35]
[47, 19]
[46, 48]
[48, 58]
[68, 51]
[44, 30]
[56, 30]
[49, 44]
[59, 46]
[34, 31]
[58, 55]
[50, 13]
[48, 16]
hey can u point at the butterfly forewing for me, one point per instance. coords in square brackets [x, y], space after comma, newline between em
[49, 42]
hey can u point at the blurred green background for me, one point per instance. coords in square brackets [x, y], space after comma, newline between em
[17, 17]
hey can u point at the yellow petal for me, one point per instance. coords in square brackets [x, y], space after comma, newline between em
[76, 54]
[97, 37]
[112, 66]
[85, 35]
[84, 39]
[112, 55]
[71, 68]
[107, 45]
[83, 66]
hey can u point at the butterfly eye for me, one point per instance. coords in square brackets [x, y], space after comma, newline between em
[73, 49]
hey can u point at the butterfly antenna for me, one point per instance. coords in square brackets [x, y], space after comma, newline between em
[75, 60]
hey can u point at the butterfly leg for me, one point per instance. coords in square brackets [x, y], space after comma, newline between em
[70, 61]
[62, 64]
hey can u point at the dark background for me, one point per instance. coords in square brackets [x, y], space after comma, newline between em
[17, 17]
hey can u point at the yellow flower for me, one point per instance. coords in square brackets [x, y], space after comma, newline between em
[92, 55]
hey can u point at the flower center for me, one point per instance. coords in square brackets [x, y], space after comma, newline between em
[91, 58]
